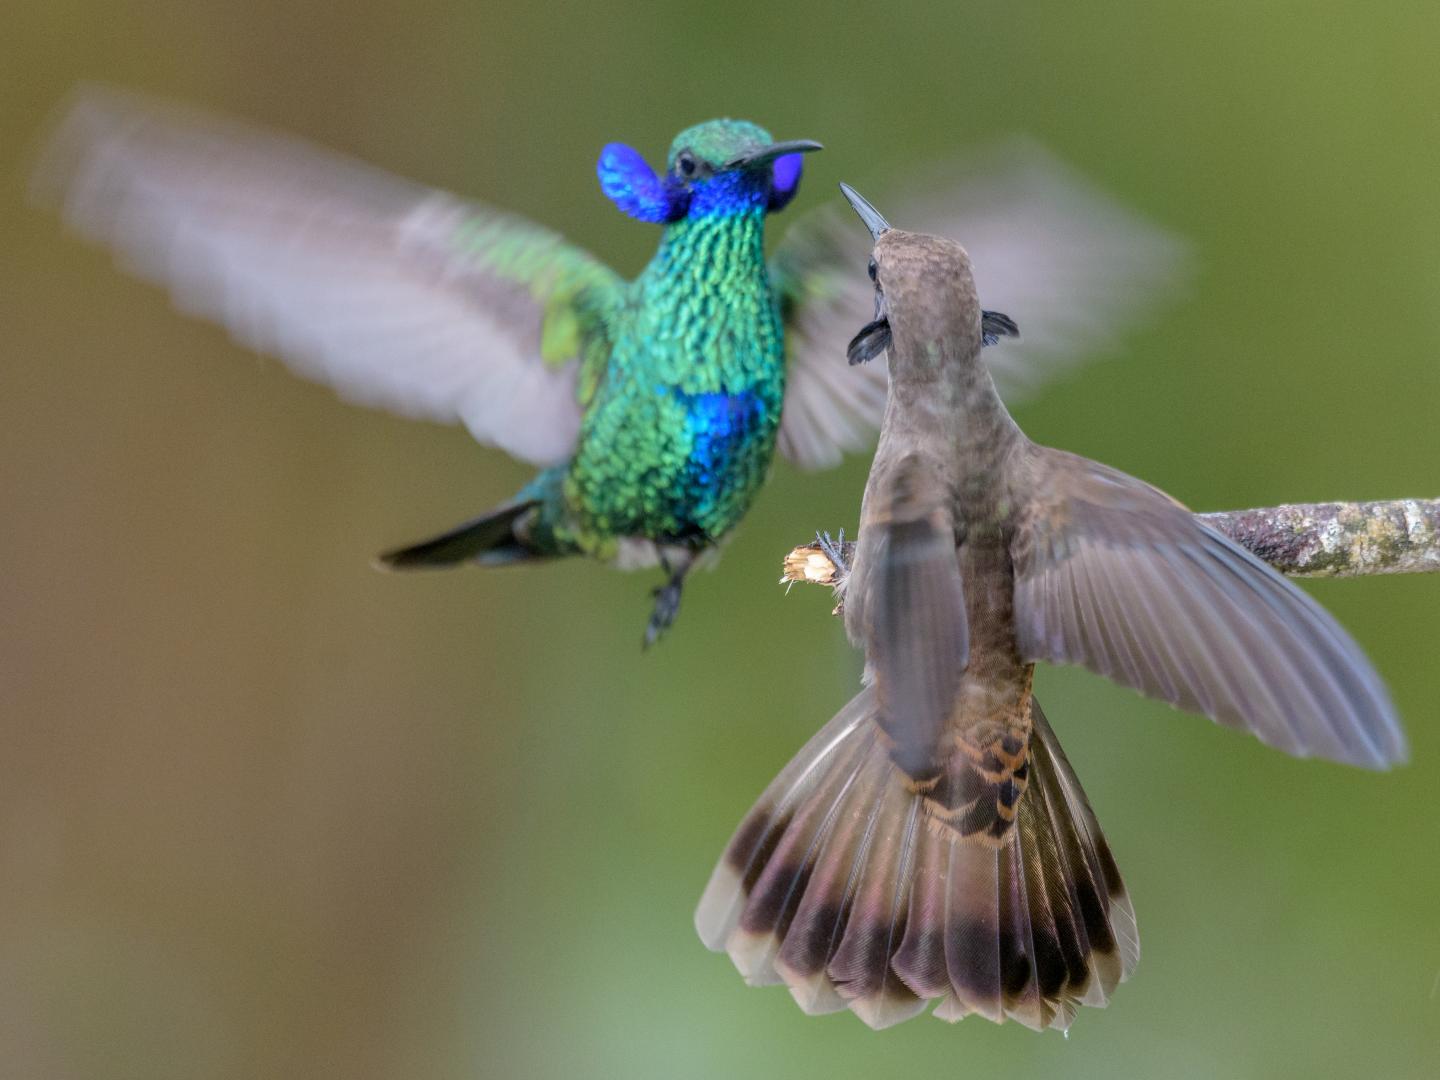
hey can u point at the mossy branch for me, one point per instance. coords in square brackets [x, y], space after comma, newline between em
[1401, 536]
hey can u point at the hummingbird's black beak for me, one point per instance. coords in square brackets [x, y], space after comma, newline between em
[868, 214]
[874, 336]
[767, 154]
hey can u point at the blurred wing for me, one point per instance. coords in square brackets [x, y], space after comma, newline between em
[1115, 575]
[1070, 265]
[831, 407]
[393, 293]
[916, 633]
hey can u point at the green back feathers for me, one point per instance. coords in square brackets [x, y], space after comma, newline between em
[575, 290]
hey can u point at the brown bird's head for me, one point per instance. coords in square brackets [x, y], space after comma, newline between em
[926, 306]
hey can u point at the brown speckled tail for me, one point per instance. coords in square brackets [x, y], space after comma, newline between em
[843, 884]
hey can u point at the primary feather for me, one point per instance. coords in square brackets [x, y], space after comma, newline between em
[1114, 574]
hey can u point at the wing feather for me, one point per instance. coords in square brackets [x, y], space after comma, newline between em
[1069, 264]
[395, 294]
[915, 624]
[1115, 575]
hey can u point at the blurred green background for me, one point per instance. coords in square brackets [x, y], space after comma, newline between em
[267, 813]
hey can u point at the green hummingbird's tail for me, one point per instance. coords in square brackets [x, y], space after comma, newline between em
[489, 539]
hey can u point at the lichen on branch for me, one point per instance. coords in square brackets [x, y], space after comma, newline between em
[1336, 539]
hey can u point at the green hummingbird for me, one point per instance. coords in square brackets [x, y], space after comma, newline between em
[653, 406]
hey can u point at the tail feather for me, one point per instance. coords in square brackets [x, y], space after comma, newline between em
[846, 885]
[772, 858]
[1101, 897]
[823, 911]
[489, 538]
[973, 958]
[860, 967]
[718, 915]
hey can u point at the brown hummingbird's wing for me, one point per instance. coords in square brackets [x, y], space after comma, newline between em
[1070, 265]
[1113, 574]
[837, 884]
[395, 294]
[913, 613]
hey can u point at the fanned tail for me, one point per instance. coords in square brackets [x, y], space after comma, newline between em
[843, 884]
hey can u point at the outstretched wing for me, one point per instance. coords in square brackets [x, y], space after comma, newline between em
[1115, 575]
[909, 605]
[1070, 265]
[395, 294]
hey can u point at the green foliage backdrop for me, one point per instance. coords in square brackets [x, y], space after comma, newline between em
[264, 812]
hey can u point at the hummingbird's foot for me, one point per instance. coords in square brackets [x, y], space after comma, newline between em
[667, 607]
[834, 550]
[667, 597]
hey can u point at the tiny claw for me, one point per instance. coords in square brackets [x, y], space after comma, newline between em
[834, 550]
[667, 607]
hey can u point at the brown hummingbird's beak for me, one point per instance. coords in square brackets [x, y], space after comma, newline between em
[874, 337]
[868, 214]
[767, 154]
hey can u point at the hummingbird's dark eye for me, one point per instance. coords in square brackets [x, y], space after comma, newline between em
[685, 163]
[871, 269]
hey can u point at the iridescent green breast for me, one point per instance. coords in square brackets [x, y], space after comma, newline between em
[681, 431]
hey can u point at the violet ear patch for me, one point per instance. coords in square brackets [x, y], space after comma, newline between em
[629, 182]
[785, 179]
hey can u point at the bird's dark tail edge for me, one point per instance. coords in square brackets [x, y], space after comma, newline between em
[489, 538]
[838, 885]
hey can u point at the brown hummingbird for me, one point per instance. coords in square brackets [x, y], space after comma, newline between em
[932, 842]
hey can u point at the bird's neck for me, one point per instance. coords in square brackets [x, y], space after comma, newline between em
[705, 304]
[723, 232]
[949, 392]
[728, 246]
[987, 430]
